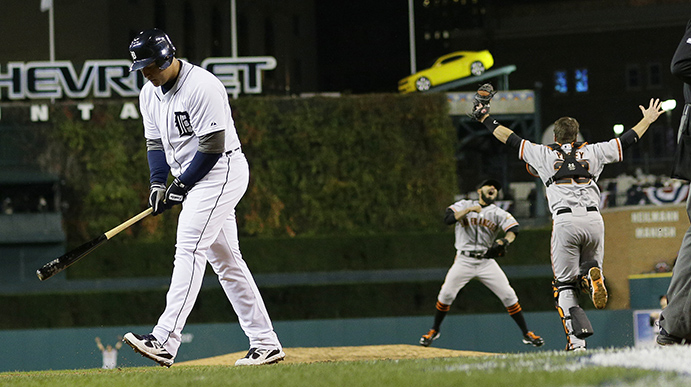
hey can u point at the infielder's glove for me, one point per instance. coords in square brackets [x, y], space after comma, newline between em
[481, 100]
[497, 249]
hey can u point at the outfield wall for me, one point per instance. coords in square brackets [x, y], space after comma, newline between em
[44, 349]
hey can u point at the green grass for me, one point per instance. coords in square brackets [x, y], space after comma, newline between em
[534, 370]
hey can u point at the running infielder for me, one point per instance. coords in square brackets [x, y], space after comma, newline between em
[190, 133]
[570, 171]
[478, 223]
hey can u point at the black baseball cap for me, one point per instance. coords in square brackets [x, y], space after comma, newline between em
[494, 183]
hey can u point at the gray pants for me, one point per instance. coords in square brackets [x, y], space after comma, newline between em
[676, 318]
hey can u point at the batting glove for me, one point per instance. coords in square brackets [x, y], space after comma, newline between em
[156, 198]
[176, 192]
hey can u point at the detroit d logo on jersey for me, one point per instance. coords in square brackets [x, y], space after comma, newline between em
[182, 122]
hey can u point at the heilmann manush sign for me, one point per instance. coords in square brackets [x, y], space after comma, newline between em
[109, 78]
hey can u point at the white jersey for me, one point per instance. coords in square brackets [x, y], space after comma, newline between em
[568, 192]
[477, 231]
[197, 105]
[110, 359]
[186, 112]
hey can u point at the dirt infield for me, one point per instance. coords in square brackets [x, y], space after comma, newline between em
[372, 352]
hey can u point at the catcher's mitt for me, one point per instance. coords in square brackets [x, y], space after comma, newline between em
[481, 100]
[497, 250]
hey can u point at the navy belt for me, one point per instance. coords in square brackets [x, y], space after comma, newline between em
[568, 210]
[230, 152]
[473, 254]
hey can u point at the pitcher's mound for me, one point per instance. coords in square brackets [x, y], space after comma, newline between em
[371, 352]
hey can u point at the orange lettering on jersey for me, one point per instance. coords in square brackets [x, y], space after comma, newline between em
[478, 222]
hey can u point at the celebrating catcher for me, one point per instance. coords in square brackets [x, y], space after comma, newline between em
[570, 170]
[478, 223]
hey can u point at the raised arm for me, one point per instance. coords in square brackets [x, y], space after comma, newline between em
[99, 344]
[481, 103]
[501, 132]
[649, 116]
[451, 216]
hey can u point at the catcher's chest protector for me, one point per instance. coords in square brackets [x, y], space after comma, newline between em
[570, 167]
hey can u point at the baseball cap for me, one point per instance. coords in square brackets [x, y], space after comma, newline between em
[496, 184]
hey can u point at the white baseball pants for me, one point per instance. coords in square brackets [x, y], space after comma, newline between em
[207, 232]
[485, 270]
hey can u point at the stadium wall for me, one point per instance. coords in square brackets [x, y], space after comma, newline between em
[45, 349]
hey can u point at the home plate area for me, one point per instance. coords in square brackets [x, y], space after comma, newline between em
[363, 353]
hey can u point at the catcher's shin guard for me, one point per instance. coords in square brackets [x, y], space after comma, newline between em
[555, 293]
[579, 323]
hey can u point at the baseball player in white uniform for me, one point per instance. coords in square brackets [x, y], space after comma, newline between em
[478, 223]
[190, 134]
[570, 171]
[110, 354]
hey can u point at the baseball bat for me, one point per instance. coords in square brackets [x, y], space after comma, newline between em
[64, 261]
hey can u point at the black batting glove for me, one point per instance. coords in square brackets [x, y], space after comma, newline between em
[176, 192]
[156, 198]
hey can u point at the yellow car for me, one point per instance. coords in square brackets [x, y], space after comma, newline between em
[450, 67]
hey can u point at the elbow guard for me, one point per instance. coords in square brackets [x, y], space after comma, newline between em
[629, 138]
[514, 140]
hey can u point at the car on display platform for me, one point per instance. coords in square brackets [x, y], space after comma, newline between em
[450, 67]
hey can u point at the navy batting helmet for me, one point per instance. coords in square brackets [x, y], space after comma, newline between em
[151, 46]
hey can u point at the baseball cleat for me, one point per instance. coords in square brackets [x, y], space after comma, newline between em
[148, 346]
[427, 339]
[664, 338]
[576, 347]
[533, 339]
[259, 356]
[598, 292]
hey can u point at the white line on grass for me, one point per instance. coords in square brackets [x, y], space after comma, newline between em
[676, 358]
[672, 358]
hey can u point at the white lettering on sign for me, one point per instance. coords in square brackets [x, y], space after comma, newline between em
[39, 113]
[655, 232]
[86, 109]
[228, 70]
[105, 78]
[129, 111]
[654, 216]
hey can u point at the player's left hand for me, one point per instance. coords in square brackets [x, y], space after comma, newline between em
[176, 192]
[498, 249]
[653, 111]
[481, 101]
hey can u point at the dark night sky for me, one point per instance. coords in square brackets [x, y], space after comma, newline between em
[362, 45]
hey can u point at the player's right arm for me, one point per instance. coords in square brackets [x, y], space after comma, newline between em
[452, 215]
[99, 344]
